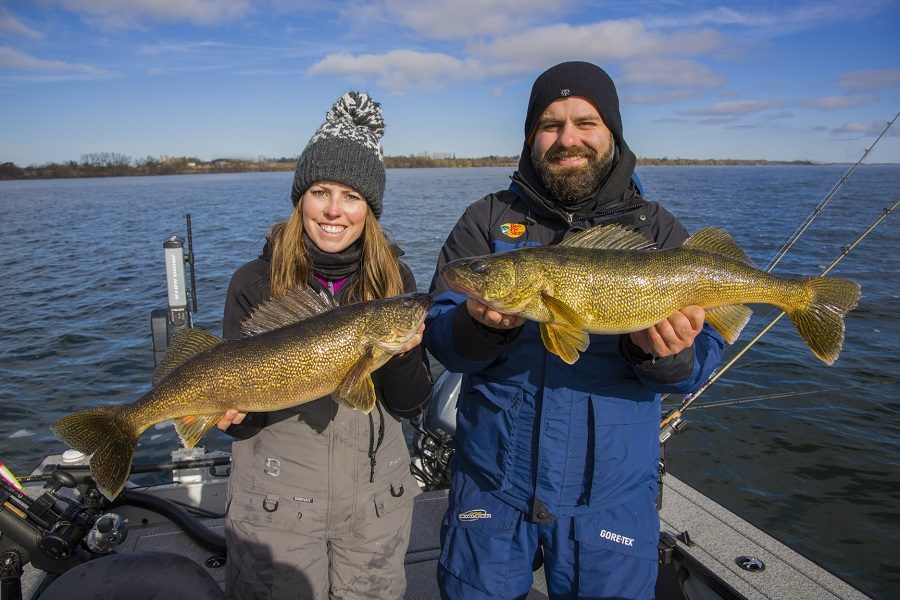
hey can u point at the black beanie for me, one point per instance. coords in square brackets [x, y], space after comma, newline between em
[346, 149]
[575, 79]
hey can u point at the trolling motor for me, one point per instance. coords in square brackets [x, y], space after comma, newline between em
[434, 427]
[164, 322]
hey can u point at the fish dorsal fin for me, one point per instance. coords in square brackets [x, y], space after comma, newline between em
[186, 343]
[610, 236]
[712, 239]
[191, 428]
[291, 307]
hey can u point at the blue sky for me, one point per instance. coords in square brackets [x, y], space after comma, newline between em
[805, 80]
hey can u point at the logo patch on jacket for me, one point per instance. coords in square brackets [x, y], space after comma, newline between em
[617, 538]
[474, 515]
[512, 230]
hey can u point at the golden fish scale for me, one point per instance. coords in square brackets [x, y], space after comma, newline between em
[288, 366]
[623, 291]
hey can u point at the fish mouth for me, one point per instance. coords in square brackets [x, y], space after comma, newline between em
[419, 298]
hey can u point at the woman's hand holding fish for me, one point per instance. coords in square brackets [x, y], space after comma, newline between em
[490, 317]
[673, 335]
[414, 340]
[232, 416]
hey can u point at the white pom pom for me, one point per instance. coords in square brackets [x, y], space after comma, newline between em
[360, 110]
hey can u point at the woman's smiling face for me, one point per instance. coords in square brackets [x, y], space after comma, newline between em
[334, 215]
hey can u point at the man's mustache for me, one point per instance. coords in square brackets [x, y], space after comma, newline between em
[575, 152]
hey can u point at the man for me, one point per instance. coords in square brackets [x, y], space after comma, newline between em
[557, 464]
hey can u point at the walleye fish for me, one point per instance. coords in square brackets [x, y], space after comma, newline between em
[302, 349]
[610, 280]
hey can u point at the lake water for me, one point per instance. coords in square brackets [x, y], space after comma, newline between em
[809, 453]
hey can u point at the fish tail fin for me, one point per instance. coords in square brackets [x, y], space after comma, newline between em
[820, 318]
[102, 433]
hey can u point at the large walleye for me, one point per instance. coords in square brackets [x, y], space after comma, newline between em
[608, 280]
[301, 351]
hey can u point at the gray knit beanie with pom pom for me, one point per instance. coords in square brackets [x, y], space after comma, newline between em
[346, 149]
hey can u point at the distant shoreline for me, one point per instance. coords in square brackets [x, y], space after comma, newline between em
[113, 165]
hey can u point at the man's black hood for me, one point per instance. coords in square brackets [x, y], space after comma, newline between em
[592, 83]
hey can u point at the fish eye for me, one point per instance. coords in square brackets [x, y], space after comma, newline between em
[408, 302]
[478, 267]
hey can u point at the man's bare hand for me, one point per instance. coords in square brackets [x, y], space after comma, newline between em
[490, 317]
[672, 335]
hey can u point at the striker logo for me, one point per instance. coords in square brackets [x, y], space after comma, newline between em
[512, 230]
[474, 515]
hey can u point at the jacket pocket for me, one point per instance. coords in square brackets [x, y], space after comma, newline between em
[476, 536]
[625, 448]
[401, 489]
[621, 529]
[487, 421]
[293, 511]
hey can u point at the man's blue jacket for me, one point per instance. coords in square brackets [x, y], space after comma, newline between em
[551, 439]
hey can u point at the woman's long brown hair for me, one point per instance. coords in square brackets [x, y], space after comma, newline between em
[378, 276]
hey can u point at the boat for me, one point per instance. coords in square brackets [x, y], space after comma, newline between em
[60, 538]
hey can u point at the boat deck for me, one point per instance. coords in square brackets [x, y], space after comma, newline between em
[704, 567]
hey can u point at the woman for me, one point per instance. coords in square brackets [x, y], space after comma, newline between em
[320, 495]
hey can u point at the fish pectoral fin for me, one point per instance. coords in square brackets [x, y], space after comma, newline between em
[192, 427]
[562, 313]
[186, 343]
[563, 341]
[729, 320]
[712, 239]
[361, 397]
[357, 390]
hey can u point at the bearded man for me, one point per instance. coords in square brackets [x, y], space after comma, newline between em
[556, 464]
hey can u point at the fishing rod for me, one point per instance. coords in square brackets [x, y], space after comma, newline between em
[674, 421]
[781, 395]
[666, 429]
[824, 202]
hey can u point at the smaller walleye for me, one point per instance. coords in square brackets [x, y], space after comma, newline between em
[302, 349]
[610, 280]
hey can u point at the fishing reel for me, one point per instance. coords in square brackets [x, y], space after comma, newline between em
[53, 532]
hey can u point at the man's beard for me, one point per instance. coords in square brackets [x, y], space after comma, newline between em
[569, 185]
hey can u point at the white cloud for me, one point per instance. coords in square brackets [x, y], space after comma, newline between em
[17, 61]
[116, 14]
[773, 21]
[837, 102]
[453, 19]
[857, 129]
[669, 74]
[9, 23]
[399, 70]
[660, 98]
[870, 80]
[737, 108]
[598, 42]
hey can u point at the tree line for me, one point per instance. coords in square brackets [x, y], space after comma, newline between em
[112, 164]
